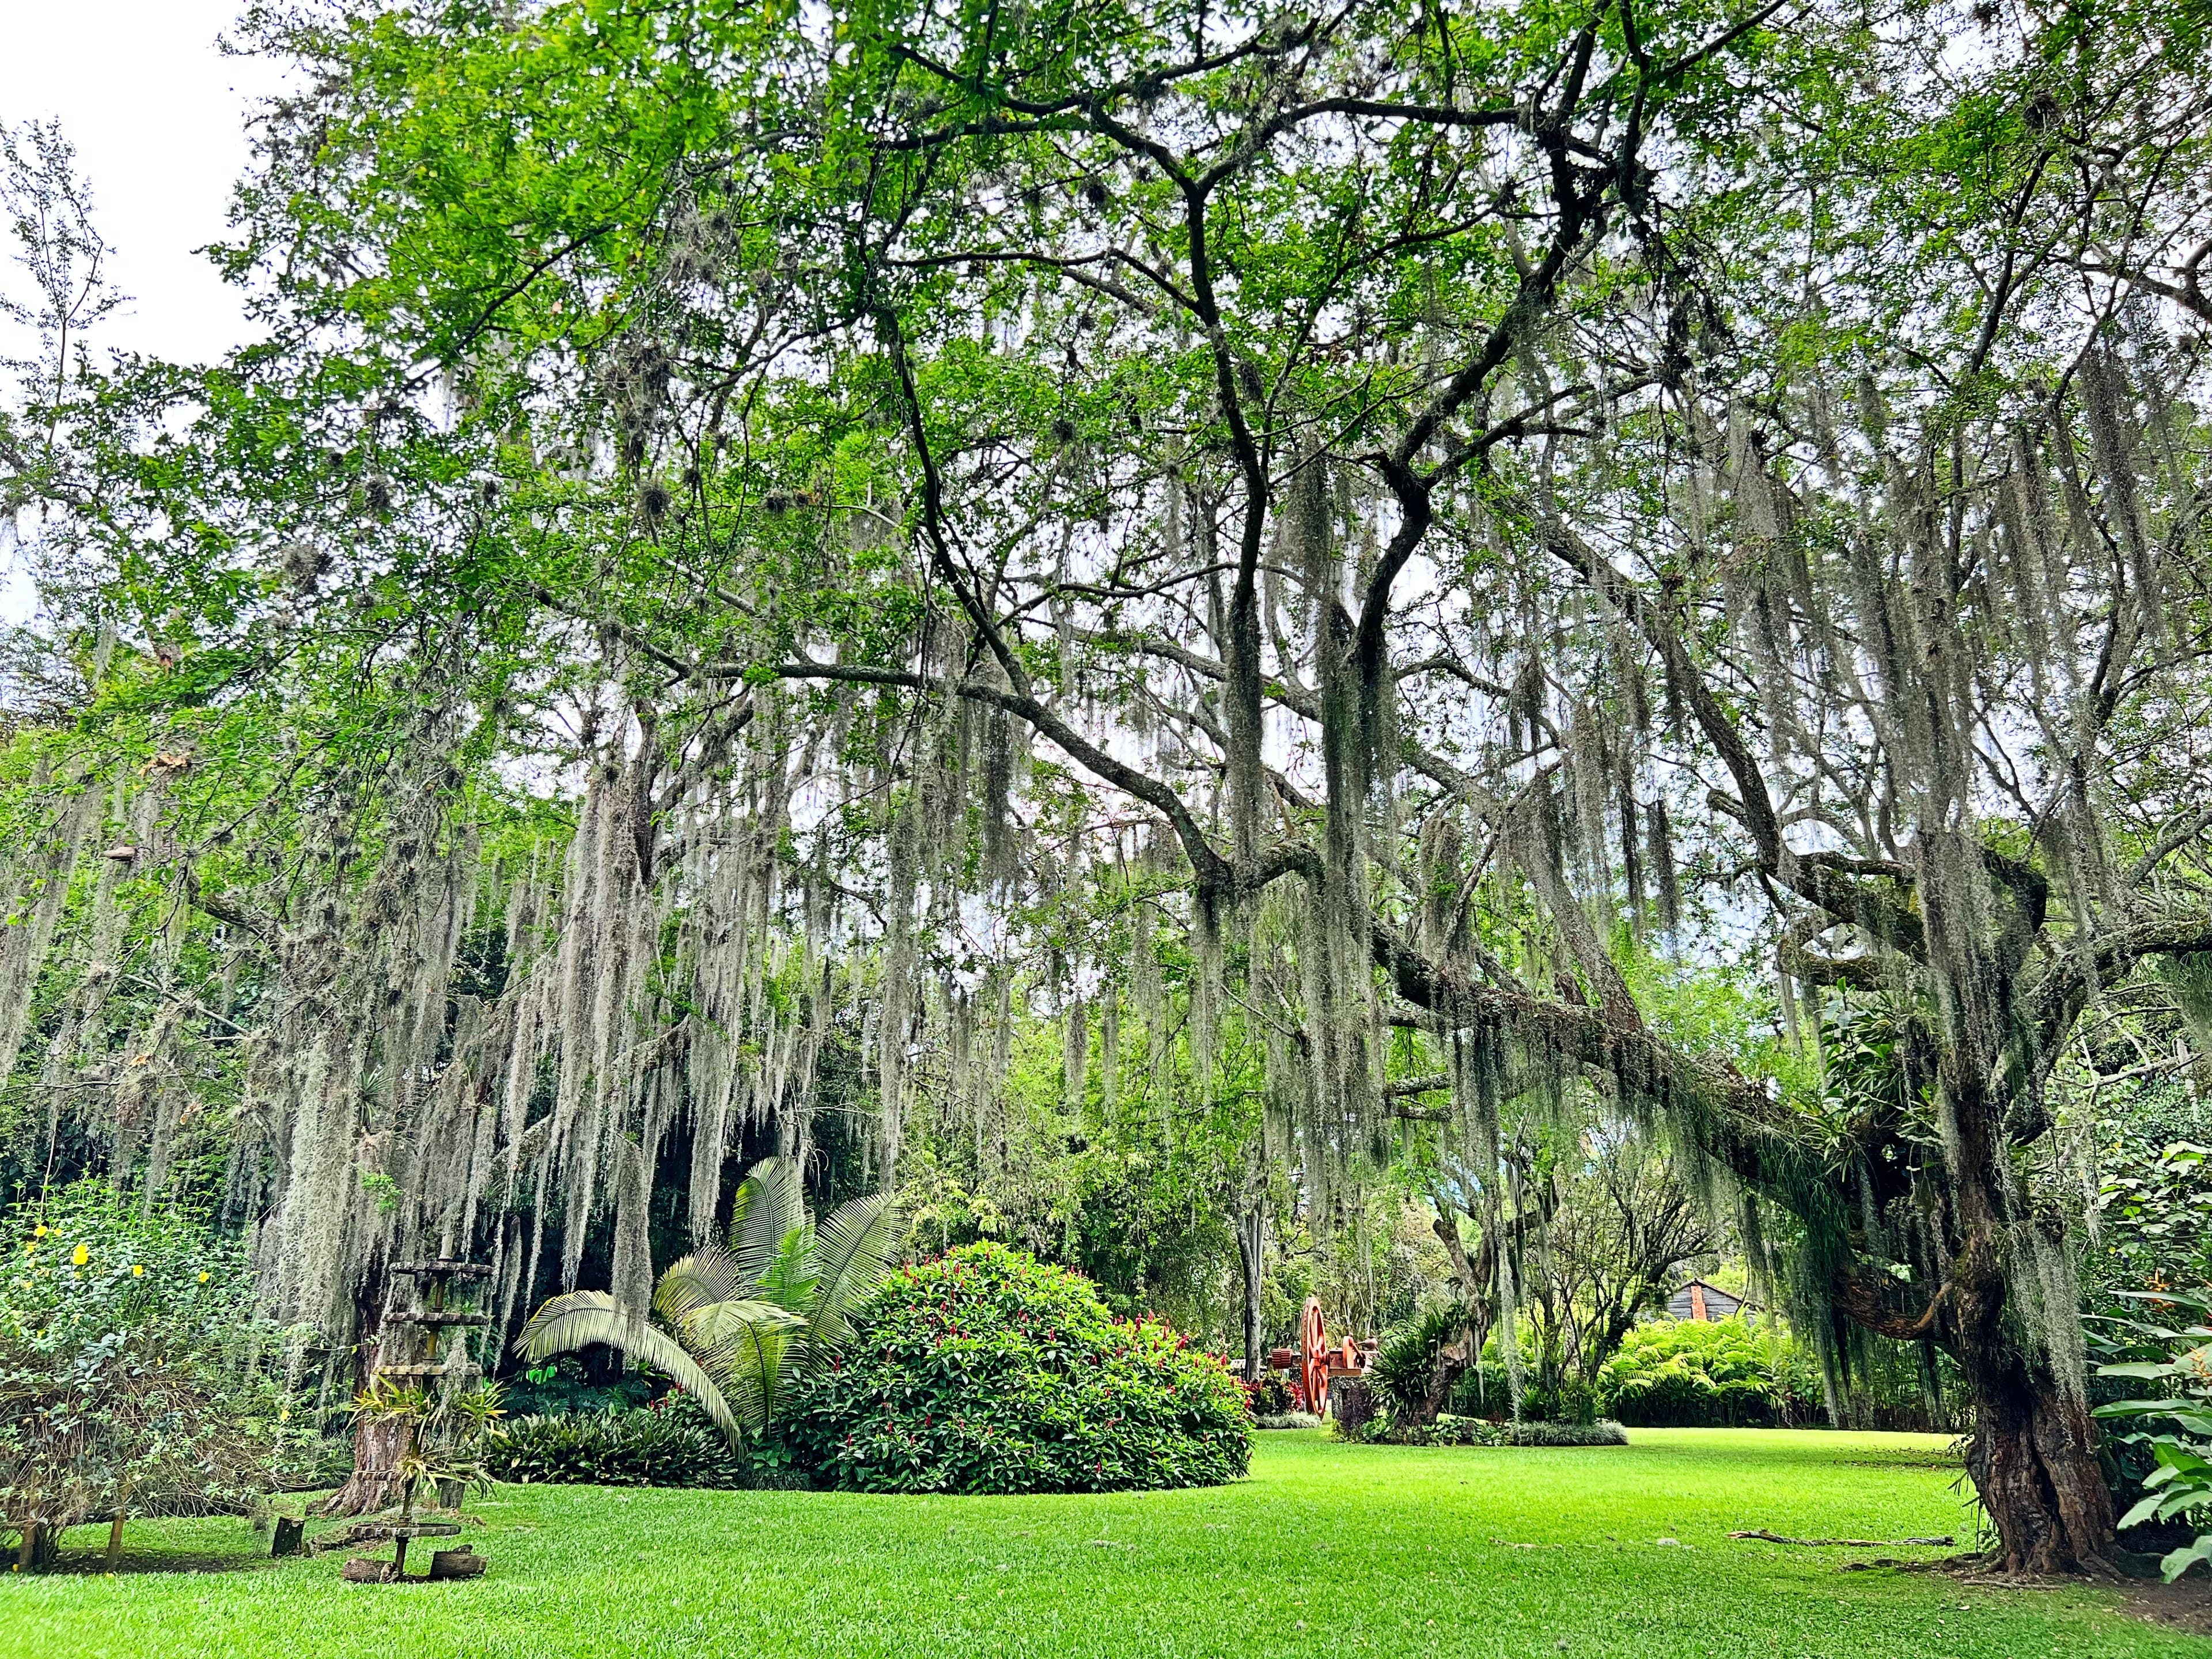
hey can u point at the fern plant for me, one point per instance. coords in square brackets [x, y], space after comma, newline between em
[732, 1326]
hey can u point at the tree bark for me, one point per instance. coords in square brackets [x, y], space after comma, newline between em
[1250, 1242]
[2033, 1461]
[381, 1444]
[2033, 1455]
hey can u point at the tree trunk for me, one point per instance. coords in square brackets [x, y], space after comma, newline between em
[2033, 1461]
[2033, 1455]
[381, 1444]
[1250, 1242]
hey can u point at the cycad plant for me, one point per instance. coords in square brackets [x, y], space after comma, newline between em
[730, 1326]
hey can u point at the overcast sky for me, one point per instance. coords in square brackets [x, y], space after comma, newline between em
[157, 115]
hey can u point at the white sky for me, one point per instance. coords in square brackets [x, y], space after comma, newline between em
[157, 115]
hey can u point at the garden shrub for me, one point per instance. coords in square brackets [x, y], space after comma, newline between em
[1286, 1420]
[671, 1444]
[987, 1371]
[1562, 1434]
[1410, 1360]
[1718, 1373]
[133, 1373]
[2162, 1438]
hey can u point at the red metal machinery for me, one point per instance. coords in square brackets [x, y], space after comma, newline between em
[1313, 1353]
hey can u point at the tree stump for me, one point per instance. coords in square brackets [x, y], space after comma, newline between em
[367, 1570]
[463, 1563]
[291, 1536]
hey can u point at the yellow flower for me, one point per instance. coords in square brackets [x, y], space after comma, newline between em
[202, 1278]
[138, 1271]
[41, 1230]
[81, 1255]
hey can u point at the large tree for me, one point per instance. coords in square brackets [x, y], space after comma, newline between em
[1470, 515]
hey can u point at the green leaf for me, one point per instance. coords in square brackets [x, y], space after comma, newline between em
[2179, 1561]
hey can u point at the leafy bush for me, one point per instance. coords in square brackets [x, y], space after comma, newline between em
[1692, 1373]
[1286, 1420]
[671, 1444]
[2154, 1216]
[558, 1387]
[987, 1371]
[1407, 1361]
[1562, 1434]
[133, 1374]
[2176, 1359]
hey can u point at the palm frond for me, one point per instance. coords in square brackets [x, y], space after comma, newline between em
[709, 1274]
[853, 1253]
[707, 1328]
[771, 1201]
[748, 1362]
[567, 1323]
[789, 1280]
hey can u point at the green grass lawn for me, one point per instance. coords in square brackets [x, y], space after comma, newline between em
[1327, 1549]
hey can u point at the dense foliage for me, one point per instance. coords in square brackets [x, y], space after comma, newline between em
[1721, 1372]
[1175, 627]
[2162, 1356]
[134, 1376]
[987, 1370]
[735, 1325]
[670, 1444]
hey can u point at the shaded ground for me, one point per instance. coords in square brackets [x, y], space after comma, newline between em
[1328, 1548]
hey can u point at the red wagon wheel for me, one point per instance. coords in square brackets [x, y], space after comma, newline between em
[1313, 1351]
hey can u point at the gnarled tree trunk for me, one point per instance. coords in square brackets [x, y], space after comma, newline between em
[380, 1445]
[2033, 1455]
[2033, 1461]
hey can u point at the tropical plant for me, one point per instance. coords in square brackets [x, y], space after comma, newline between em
[671, 1442]
[2154, 1205]
[2177, 1356]
[440, 1434]
[1417, 1363]
[988, 1371]
[1698, 1372]
[735, 1325]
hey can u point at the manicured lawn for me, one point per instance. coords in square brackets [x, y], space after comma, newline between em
[1327, 1549]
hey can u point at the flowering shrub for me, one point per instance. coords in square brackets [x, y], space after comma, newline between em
[132, 1373]
[987, 1371]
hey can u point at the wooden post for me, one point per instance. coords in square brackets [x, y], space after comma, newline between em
[115, 1539]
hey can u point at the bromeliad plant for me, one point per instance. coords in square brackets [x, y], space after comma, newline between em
[735, 1325]
[441, 1434]
[2177, 1424]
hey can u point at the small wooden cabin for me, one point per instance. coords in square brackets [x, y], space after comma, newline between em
[1702, 1300]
